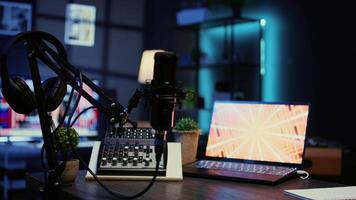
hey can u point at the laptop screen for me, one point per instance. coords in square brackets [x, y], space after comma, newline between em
[258, 131]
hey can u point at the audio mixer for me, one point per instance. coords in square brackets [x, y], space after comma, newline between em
[129, 151]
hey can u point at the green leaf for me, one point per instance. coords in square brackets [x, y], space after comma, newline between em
[64, 141]
[186, 124]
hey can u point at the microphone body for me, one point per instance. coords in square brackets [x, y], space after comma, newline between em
[164, 91]
[163, 98]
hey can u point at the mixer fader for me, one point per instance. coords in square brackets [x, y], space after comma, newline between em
[129, 151]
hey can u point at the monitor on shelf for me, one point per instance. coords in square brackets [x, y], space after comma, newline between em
[13, 124]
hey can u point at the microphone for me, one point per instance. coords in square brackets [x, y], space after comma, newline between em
[164, 91]
[163, 98]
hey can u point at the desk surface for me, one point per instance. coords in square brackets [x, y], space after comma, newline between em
[190, 188]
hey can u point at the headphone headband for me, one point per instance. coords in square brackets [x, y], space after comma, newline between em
[17, 93]
[30, 35]
[39, 35]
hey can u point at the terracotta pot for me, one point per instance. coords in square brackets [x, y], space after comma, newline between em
[189, 141]
[70, 172]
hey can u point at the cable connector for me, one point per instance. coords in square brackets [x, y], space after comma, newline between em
[303, 174]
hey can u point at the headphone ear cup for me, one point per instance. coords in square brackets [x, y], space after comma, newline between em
[19, 96]
[54, 91]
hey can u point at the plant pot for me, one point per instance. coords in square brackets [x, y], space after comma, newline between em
[189, 141]
[70, 171]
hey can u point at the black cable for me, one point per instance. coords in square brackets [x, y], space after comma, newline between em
[117, 195]
[76, 102]
[72, 113]
[69, 124]
[65, 111]
[53, 131]
[79, 114]
[44, 169]
[96, 178]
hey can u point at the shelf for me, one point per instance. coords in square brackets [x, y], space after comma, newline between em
[186, 67]
[217, 22]
[228, 65]
[219, 66]
[238, 72]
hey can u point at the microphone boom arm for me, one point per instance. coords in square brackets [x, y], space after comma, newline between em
[117, 114]
[67, 72]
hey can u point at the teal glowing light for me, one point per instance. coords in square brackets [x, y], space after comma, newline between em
[204, 118]
[262, 57]
[212, 50]
[263, 22]
[206, 90]
[271, 52]
[212, 44]
[271, 63]
[262, 48]
[206, 86]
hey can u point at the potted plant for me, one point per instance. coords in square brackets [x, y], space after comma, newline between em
[64, 142]
[187, 131]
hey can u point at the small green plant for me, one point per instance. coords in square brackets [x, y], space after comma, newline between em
[186, 124]
[64, 142]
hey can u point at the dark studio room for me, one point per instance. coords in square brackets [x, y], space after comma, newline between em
[179, 99]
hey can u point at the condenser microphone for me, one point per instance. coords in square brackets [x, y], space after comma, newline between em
[163, 98]
[164, 91]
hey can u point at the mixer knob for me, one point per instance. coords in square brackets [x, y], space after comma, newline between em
[135, 161]
[126, 148]
[114, 161]
[124, 161]
[147, 161]
[104, 161]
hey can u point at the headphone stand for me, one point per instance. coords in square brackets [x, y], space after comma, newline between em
[53, 183]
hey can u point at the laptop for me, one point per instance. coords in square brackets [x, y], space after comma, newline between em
[253, 141]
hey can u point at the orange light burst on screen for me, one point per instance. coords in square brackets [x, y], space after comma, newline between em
[263, 132]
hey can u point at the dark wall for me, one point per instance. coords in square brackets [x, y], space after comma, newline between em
[314, 61]
[160, 24]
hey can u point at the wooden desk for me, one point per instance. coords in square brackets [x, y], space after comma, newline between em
[190, 188]
[321, 157]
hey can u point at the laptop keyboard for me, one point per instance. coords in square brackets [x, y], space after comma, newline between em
[244, 167]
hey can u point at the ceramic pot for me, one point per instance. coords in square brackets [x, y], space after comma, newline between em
[70, 172]
[189, 141]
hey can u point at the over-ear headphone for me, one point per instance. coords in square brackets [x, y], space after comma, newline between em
[15, 90]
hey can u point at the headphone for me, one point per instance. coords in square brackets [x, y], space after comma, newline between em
[15, 90]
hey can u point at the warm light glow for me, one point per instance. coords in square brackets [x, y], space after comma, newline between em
[147, 65]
